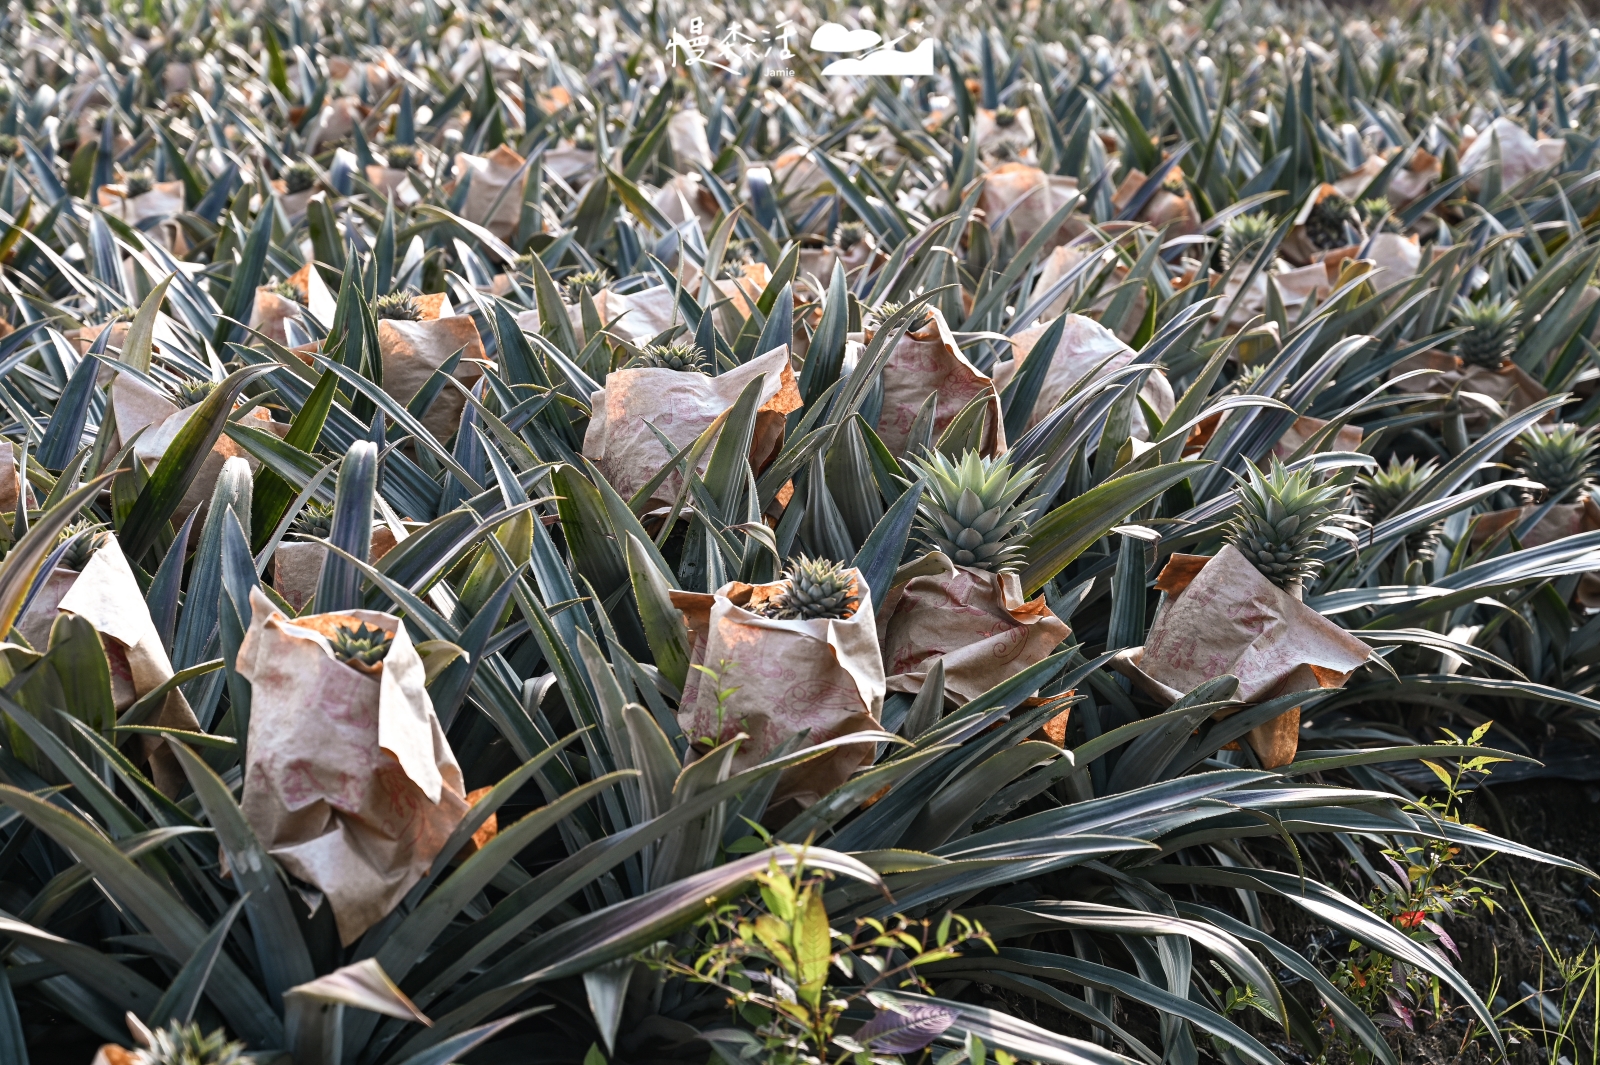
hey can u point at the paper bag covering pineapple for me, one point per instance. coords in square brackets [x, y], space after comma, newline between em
[668, 388]
[970, 612]
[1480, 363]
[416, 335]
[1239, 612]
[1328, 223]
[1561, 460]
[926, 361]
[349, 781]
[93, 581]
[139, 406]
[1026, 197]
[1521, 155]
[297, 564]
[295, 188]
[1169, 206]
[1005, 134]
[1086, 347]
[798, 655]
[499, 171]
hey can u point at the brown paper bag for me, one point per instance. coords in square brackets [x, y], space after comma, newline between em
[10, 483]
[1225, 617]
[138, 406]
[412, 351]
[1295, 287]
[681, 405]
[976, 621]
[1346, 438]
[1170, 205]
[1510, 386]
[1012, 142]
[924, 362]
[686, 132]
[335, 122]
[491, 174]
[164, 200]
[1521, 156]
[1395, 257]
[270, 311]
[106, 595]
[1560, 521]
[1086, 347]
[349, 780]
[787, 677]
[394, 182]
[297, 565]
[1041, 195]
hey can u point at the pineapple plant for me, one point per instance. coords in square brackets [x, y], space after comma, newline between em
[973, 510]
[1385, 489]
[1491, 331]
[680, 355]
[397, 307]
[87, 536]
[10, 147]
[361, 646]
[288, 290]
[815, 589]
[1331, 223]
[299, 177]
[848, 234]
[1282, 519]
[314, 522]
[187, 1044]
[138, 183]
[590, 282]
[402, 156]
[192, 390]
[1241, 234]
[1560, 458]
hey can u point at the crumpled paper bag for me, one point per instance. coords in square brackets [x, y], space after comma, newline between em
[1014, 142]
[10, 483]
[1170, 205]
[490, 174]
[1521, 156]
[395, 182]
[1395, 258]
[164, 200]
[412, 351]
[1086, 347]
[334, 122]
[349, 780]
[684, 198]
[1295, 287]
[270, 311]
[138, 406]
[1009, 183]
[1345, 438]
[1409, 182]
[925, 361]
[1224, 617]
[686, 133]
[976, 621]
[297, 565]
[681, 405]
[106, 595]
[1561, 521]
[1297, 246]
[1510, 386]
[825, 676]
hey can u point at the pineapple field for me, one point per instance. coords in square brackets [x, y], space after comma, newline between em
[637, 532]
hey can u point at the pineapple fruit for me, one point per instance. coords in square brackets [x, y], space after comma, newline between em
[1560, 458]
[1243, 233]
[1491, 331]
[1383, 491]
[87, 537]
[970, 509]
[817, 589]
[299, 177]
[1331, 223]
[1284, 518]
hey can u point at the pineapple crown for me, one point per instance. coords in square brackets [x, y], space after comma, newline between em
[397, 307]
[1327, 223]
[970, 509]
[817, 589]
[1560, 458]
[889, 308]
[192, 390]
[299, 177]
[185, 1044]
[402, 156]
[1283, 518]
[1244, 230]
[10, 147]
[1249, 374]
[1491, 326]
[590, 281]
[138, 183]
[849, 234]
[287, 289]
[121, 314]
[315, 521]
[679, 355]
[87, 537]
[1373, 208]
[1386, 488]
[1005, 117]
[361, 646]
